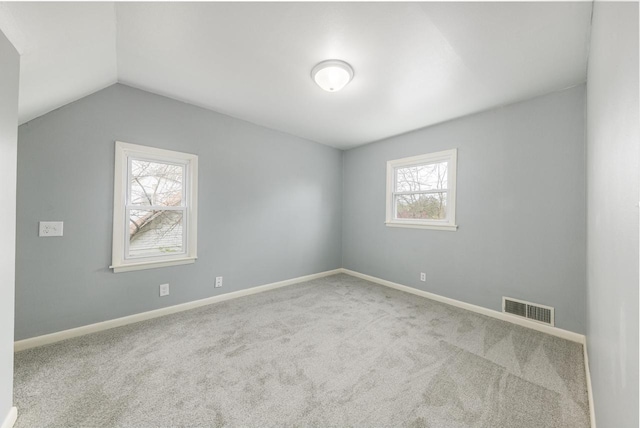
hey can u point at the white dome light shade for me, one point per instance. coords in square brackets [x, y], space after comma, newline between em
[332, 75]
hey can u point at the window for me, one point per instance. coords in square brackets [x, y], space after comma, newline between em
[421, 191]
[154, 208]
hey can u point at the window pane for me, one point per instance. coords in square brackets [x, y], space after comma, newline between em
[429, 206]
[422, 177]
[155, 233]
[156, 183]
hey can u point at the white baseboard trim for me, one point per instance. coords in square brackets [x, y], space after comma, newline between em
[11, 418]
[47, 339]
[592, 409]
[554, 331]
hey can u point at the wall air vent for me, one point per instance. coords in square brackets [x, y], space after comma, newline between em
[532, 311]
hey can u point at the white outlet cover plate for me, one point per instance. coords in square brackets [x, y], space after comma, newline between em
[164, 290]
[50, 228]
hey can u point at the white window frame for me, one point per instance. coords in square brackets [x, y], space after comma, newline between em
[125, 152]
[449, 223]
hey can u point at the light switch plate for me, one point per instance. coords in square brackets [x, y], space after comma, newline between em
[50, 228]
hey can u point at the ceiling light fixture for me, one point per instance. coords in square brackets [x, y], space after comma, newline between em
[332, 75]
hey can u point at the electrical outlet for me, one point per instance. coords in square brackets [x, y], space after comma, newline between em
[50, 228]
[218, 282]
[423, 277]
[164, 290]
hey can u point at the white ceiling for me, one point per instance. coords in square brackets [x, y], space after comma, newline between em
[67, 51]
[415, 64]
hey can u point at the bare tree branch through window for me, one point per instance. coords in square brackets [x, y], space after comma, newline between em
[153, 228]
[421, 191]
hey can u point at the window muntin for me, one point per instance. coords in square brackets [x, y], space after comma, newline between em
[421, 191]
[155, 208]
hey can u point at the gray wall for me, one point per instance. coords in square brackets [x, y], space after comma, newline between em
[269, 208]
[9, 72]
[613, 136]
[520, 209]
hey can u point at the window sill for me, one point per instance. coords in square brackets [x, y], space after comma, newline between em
[448, 227]
[151, 265]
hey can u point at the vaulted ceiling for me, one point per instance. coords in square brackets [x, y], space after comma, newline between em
[416, 64]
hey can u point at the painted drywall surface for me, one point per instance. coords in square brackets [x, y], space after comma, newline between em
[269, 208]
[9, 79]
[613, 137]
[520, 209]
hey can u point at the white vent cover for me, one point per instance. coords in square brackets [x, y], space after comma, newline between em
[532, 311]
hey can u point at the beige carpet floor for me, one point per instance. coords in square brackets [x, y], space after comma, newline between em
[333, 352]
